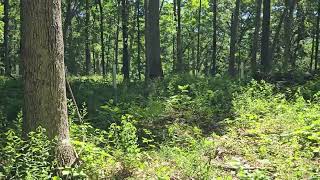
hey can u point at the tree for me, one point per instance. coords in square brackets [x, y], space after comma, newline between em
[138, 38]
[87, 40]
[214, 37]
[7, 62]
[45, 102]
[265, 39]
[290, 6]
[198, 35]
[104, 72]
[316, 56]
[179, 66]
[233, 39]
[155, 65]
[255, 38]
[125, 50]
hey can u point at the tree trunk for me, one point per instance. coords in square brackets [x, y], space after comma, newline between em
[146, 37]
[138, 39]
[255, 38]
[180, 65]
[155, 66]
[233, 39]
[7, 62]
[44, 74]
[276, 38]
[198, 44]
[316, 56]
[214, 38]
[87, 41]
[265, 39]
[125, 50]
[290, 6]
[116, 51]
[102, 39]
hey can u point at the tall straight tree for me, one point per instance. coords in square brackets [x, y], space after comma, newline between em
[155, 66]
[214, 38]
[288, 28]
[7, 62]
[233, 39]
[125, 49]
[255, 38]
[316, 56]
[104, 72]
[265, 39]
[198, 66]
[138, 38]
[87, 40]
[180, 65]
[45, 102]
[146, 38]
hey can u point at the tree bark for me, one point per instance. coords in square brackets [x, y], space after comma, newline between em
[255, 38]
[233, 39]
[155, 66]
[146, 38]
[45, 102]
[6, 59]
[138, 38]
[125, 50]
[265, 39]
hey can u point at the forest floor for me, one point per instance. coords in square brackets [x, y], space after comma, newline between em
[188, 127]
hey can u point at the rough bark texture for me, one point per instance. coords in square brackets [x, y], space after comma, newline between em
[255, 38]
[44, 74]
[155, 66]
[214, 38]
[6, 59]
[233, 39]
[265, 54]
[125, 50]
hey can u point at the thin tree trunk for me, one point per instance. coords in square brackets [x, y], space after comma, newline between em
[233, 39]
[198, 44]
[265, 39]
[102, 39]
[317, 40]
[180, 65]
[290, 6]
[138, 39]
[116, 51]
[87, 41]
[146, 37]
[214, 39]
[125, 50]
[255, 38]
[312, 54]
[276, 37]
[45, 102]
[7, 62]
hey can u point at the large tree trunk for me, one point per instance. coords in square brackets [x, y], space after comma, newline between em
[45, 101]
[214, 38]
[265, 39]
[180, 64]
[104, 72]
[155, 66]
[88, 53]
[255, 38]
[7, 62]
[233, 39]
[125, 50]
